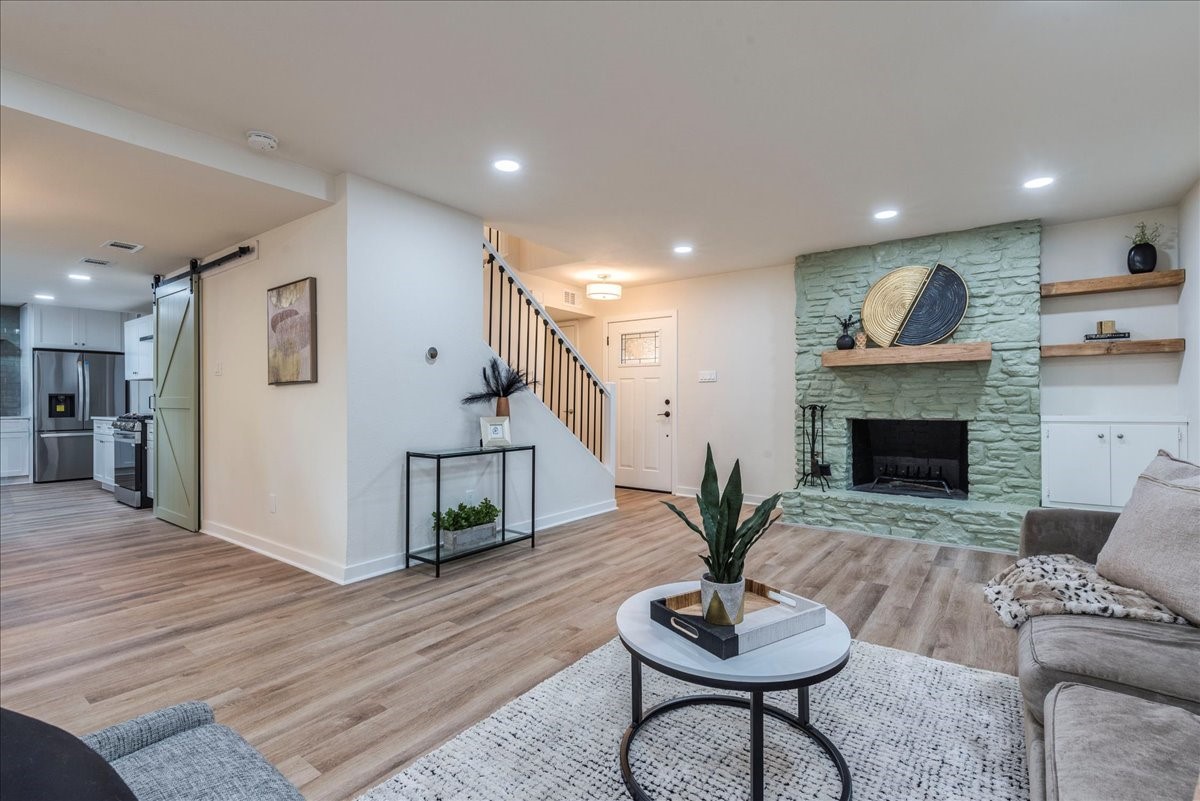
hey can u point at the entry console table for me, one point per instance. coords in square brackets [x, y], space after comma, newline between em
[795, 663]
[436, 554]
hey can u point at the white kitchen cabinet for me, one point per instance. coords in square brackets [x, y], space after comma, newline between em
[75, 329]
[15, 448]
[150, 459]
[102, 452]
[1091, 463]
[139, 349]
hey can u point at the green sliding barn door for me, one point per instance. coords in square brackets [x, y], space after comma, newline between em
[177, 403]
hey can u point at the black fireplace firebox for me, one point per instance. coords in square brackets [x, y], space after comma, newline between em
[925, 458]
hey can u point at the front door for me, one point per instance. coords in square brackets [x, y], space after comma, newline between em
[641, 362]
[177, 403]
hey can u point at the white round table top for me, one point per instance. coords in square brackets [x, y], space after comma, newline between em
[792, 659]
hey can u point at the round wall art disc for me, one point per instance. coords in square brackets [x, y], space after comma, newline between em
[915, 306]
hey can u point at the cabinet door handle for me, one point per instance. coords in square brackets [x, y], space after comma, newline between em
[1120, 436]
[1101, 436]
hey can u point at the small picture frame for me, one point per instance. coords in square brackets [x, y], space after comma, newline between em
[494, 432]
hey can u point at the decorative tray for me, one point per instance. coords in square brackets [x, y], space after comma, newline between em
[770, 615]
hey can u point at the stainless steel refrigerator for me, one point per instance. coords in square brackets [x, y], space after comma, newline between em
[69, 389]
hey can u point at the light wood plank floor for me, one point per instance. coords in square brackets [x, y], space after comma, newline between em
[106, 613]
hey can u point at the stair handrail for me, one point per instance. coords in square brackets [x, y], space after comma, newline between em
[545, 315]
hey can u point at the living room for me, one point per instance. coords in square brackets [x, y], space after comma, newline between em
[929, 309]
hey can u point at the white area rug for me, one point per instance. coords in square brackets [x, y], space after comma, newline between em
[909, 727]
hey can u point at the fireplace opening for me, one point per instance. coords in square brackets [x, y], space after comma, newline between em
[925, 458]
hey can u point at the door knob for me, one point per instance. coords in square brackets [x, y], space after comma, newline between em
[664, 414]
[1120, 436]
[1101, 436]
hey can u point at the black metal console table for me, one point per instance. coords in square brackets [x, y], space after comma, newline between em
[437, 555]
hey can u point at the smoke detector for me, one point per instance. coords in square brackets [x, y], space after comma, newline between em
[261, 140]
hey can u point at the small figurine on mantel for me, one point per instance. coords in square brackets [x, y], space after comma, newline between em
[846, 341]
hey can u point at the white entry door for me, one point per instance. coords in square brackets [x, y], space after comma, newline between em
[640, 357]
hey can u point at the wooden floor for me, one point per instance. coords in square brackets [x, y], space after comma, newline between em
[106, 613]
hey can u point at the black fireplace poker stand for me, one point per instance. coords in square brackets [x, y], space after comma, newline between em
[818, 472]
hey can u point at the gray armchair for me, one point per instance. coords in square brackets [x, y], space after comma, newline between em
[181, 754]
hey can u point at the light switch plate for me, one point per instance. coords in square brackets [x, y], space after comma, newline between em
[708, 376]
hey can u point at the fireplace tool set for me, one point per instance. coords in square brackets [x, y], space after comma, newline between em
[818, 472]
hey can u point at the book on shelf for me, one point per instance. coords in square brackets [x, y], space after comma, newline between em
[1113, 335]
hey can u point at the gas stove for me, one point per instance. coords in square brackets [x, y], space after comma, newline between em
[131, 421]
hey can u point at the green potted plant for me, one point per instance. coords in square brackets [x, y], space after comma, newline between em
[499, 383]
[1143, 256]
[723, 586]
[465, 526]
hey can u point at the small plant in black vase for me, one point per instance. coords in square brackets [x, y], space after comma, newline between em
[846, 341]
[1143, 256]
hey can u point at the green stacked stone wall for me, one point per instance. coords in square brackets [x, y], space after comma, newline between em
[999, 399]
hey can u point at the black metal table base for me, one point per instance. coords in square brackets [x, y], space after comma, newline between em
[758, 710]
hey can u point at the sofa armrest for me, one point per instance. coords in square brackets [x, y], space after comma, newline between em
[1081, 532]
[132, 735]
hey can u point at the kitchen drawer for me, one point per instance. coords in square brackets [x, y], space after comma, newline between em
[14, 425]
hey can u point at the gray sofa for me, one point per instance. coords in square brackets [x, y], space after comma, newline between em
[1112, 706]
[181, 754]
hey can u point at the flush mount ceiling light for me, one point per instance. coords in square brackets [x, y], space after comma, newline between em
[886, 214]
[603, 290]
[261, 140]
[1038, 183]
[683, 249]
[506, 165]
[44, 297]
[79, 277]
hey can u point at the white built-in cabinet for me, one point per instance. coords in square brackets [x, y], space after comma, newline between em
[15, 448]
[103, 463]
[75, 329]
[1094, 463]
[139, 348]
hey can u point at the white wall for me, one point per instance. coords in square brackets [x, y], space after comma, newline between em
[743, 326]
[1189, 315]
[289, 441]
[1121, 387]
[414, 282]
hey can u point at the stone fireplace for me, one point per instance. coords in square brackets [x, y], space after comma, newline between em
[921, 458]
[978, 423]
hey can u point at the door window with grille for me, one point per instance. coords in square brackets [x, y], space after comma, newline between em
[640, 349]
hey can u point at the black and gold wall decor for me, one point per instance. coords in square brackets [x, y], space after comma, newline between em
[915, 306]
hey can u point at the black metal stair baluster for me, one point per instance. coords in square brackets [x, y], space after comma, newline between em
[529, 338]
[508, 354]
[545, 350]
[600, 455]
[500, 312]
[491, 279]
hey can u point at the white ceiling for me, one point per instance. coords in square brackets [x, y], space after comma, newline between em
[755, 131]
[64, 192]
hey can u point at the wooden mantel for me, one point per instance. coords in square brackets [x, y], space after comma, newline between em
[1114, 347]
[901, 354]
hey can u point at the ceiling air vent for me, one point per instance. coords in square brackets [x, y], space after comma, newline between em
[119, 245]
[569, 298]
[95, 262]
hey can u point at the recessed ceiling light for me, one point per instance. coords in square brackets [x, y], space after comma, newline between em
[79, 277]
[44, 297]
[681, 249]
[506, 165]
[886, 214]
[1038, 183]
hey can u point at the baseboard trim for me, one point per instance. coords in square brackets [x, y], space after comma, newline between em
[309, 562]
[370, 568]
[748, 499]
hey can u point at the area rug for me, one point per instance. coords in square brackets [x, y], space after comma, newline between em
[909, 727]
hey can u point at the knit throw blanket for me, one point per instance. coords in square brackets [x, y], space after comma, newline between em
[1062, 584]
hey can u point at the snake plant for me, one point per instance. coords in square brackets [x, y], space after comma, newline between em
[728, 542]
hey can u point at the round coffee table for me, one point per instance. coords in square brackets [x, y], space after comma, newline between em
[795, 663]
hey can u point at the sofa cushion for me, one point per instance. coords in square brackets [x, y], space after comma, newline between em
[45, 763]
[207, 763]
[1108, 746]
[1158, 661]
[1155, 544]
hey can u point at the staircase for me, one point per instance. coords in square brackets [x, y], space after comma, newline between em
[521, 332]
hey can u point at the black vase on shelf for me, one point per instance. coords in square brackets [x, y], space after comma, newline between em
[845, 342]
[1143, 258]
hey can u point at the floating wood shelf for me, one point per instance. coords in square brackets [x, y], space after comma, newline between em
[1114, 283]
[1114, 347]
[900, 354]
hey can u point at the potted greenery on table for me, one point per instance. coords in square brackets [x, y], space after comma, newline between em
[465, 526]
[723, 587]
